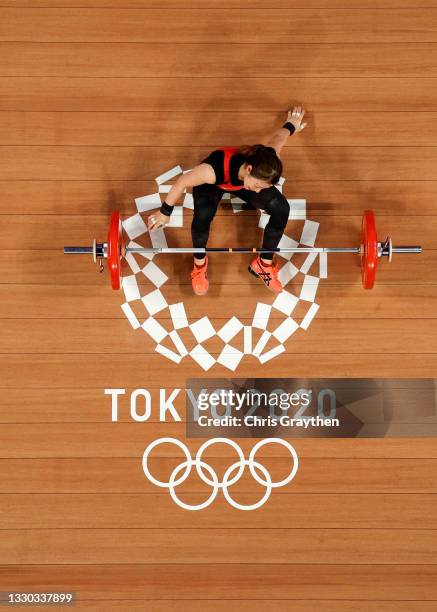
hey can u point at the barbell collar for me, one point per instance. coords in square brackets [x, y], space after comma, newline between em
[97, 250]
[78, 250]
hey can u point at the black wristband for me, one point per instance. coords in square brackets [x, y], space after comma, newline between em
[289, 126]
[166, 209]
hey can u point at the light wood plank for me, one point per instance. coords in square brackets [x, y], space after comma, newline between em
[134, 163]
[157, 128]
[164, 60]
[86, 301]
[250, 605]
[324, 197]
[91, 336]
[222, 546]
[123, 511]
[208, 4]
[131, 436]
[65, 370]
[45, 83]
[130, 439]
[283, 581]
[208, 605]
[158, 25]
[125, 475]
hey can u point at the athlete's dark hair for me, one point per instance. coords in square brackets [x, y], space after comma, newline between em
[265, 163]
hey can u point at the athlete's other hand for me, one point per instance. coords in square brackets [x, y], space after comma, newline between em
[157, 221]
[295, 117]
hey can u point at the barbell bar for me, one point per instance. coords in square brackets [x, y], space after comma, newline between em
[370, 250]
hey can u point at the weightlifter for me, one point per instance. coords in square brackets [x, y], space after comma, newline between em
[252, 171]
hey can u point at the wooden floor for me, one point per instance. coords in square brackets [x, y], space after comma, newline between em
[97, 98]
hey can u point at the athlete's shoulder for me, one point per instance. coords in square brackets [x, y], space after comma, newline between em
[216, 160]
[215, 156]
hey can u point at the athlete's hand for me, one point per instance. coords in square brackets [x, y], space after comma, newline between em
[157, 221]
[295, 117]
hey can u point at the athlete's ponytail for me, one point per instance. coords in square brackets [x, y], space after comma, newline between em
[265, 163]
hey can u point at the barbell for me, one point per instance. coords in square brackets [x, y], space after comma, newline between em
[370, 250]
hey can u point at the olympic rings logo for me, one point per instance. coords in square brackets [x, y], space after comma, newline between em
[211, 478]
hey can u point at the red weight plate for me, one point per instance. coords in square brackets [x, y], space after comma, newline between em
[369, 250]
[114, 250]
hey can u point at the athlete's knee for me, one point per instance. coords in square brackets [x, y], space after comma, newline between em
[282, 205]
[279, 203]
[279, 210]
[202, 218]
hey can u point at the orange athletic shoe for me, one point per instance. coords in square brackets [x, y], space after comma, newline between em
[267, 273]
[199, 279]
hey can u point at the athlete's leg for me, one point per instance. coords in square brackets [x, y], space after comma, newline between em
[275, 204]
[206, 200]
[279, 209]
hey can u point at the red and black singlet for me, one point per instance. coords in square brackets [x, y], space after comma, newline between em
[226, 162]
[227, 185]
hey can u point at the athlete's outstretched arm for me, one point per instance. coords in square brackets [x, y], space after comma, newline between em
[203, 173]
[278, 139]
